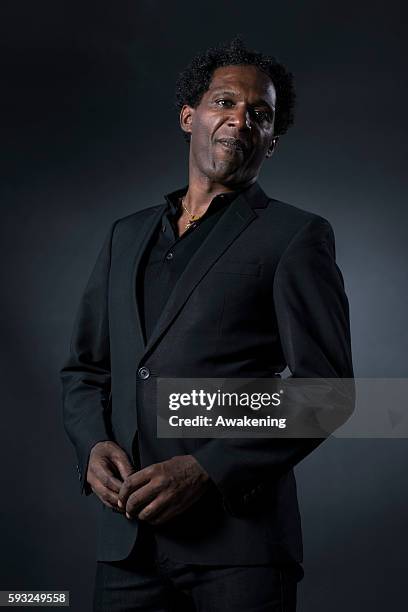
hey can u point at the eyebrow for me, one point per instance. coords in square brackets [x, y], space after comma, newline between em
[234, 94]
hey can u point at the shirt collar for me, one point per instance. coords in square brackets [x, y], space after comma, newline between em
[173, 198]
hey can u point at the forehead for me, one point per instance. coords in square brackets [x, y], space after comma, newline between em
[248, 80]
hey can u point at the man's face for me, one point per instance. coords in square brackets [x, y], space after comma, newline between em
[232, 129]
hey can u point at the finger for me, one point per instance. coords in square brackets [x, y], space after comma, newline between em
[105, 475]
[106, 496]
[162, 509]
[139, 499]
[158, 510]
[122, 464]
[152, 511]
[114, 507]
[133, 482]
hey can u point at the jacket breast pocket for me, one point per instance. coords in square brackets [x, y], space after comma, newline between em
[243, 286]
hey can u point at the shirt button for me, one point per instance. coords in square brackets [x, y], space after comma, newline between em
[143, 372]
[169, 255]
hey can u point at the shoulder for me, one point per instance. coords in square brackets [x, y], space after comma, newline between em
[308, 237]
[127, 225]
[124, 229]
[291, 227]
[294, 220]
[292, 230]
[140, 215]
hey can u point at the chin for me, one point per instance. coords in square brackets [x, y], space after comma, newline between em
[224, 172]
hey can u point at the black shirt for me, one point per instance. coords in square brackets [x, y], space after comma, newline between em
[167, 254]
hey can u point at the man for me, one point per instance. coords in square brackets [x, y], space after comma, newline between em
[219, 281]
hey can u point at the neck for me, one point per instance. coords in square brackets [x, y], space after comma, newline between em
[200, 193]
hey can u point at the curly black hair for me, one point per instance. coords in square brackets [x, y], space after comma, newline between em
[195, 80]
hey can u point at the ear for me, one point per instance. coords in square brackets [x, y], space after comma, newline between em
[186, 118]
[272, 146]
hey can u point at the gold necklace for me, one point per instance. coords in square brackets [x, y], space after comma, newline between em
[193, 218]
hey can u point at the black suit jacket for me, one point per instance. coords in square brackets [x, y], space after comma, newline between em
[263, 291]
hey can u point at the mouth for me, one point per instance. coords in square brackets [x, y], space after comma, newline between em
[233, 144]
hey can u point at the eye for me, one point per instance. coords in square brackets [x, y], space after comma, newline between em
[223, 102]
[263, 115]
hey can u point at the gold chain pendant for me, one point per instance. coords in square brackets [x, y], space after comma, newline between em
[193, 218]
[192, 221]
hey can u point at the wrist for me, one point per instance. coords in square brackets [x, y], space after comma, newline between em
[204, 476]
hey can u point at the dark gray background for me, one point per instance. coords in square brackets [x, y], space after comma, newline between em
[88, 134]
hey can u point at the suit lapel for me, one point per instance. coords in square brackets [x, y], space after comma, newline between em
[236, 218]
[150, 227]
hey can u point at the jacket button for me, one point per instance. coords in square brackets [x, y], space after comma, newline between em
[143, 373]
[169, 255]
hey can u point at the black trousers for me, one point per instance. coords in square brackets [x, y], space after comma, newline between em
[154, 583]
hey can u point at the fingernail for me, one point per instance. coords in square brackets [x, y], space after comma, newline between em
[120, 503]
[128, 515]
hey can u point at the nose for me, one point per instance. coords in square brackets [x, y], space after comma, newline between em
[240, 118]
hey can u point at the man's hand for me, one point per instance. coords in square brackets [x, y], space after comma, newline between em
[108, 467]
[163, 490]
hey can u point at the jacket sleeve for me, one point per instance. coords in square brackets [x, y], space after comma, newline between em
[312, 314]
[86, 374]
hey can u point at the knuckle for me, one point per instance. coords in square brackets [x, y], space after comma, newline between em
[109, 499]
[90, 477]
[151, 470]
[93, 482]
[144, 515]
[133, 502]
[158, 487]
[124, 490]
[105, 480]
[91, 465]
[99, 448]
[160, 482]
[116, 455]
[110, 482]
[127, 483]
